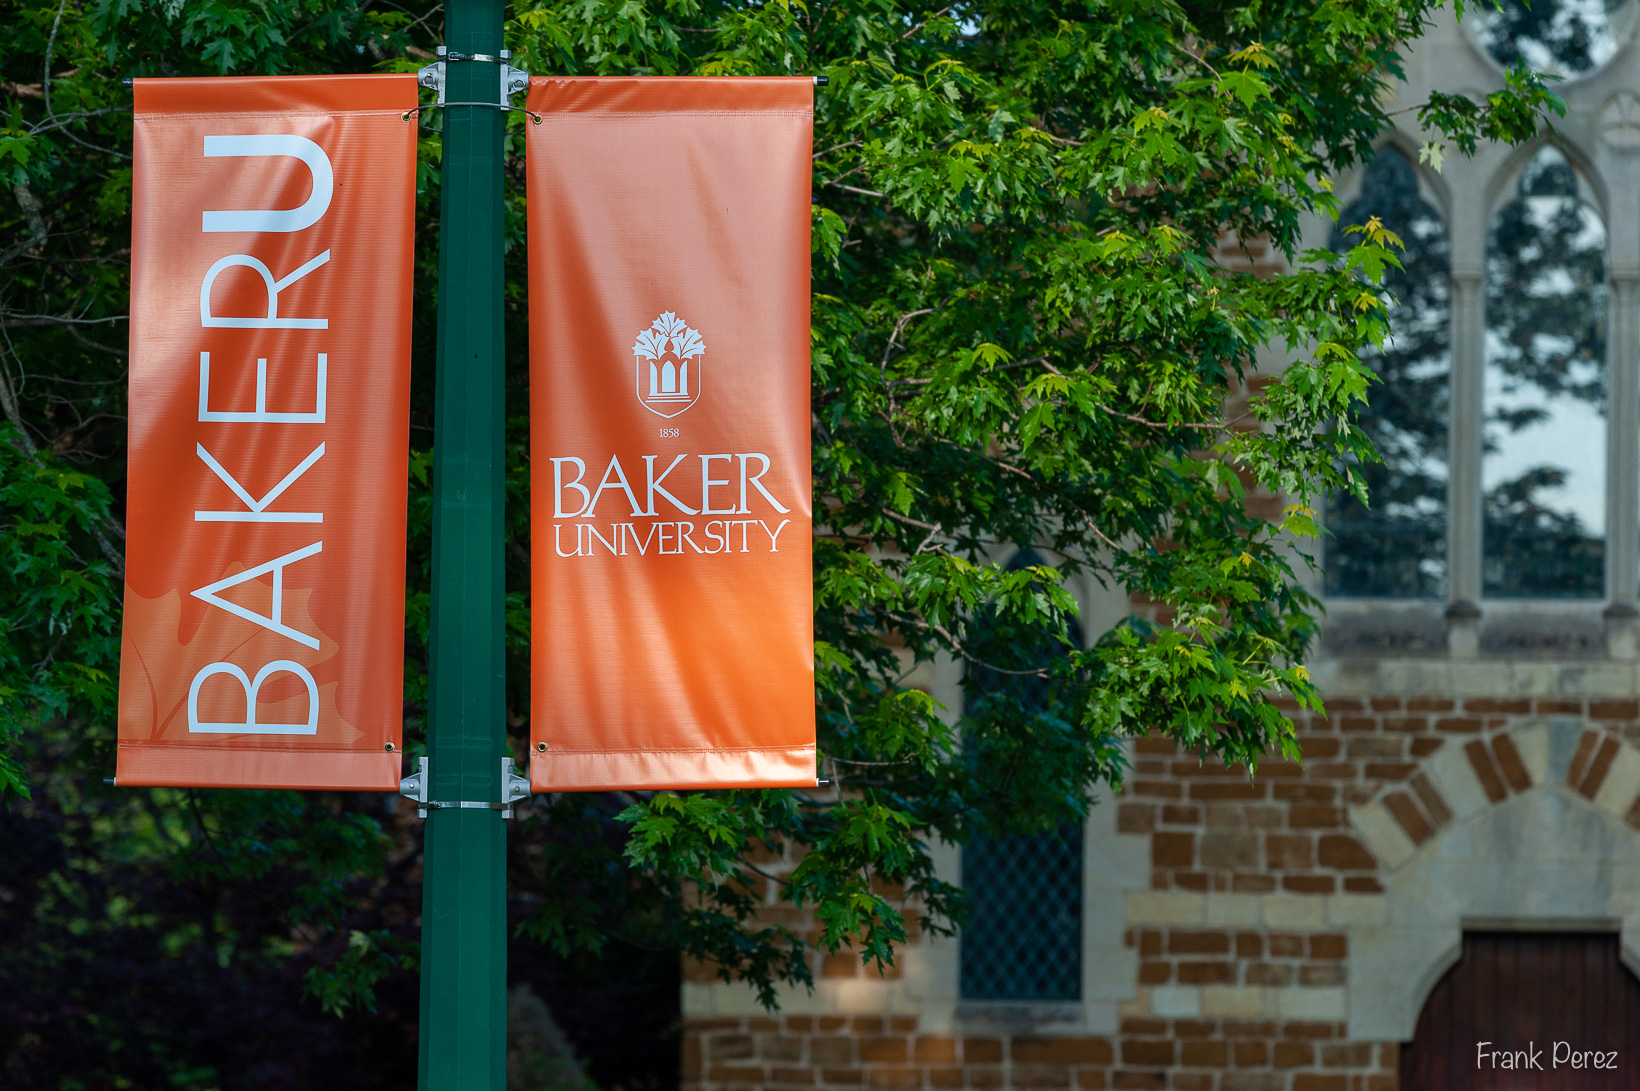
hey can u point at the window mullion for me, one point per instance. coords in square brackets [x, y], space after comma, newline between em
[1464, 484]
[1623, 459]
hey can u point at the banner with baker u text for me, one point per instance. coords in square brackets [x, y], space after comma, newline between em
[263, 642]
[672, 592]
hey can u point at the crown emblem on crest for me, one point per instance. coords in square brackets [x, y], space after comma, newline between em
[667, 359]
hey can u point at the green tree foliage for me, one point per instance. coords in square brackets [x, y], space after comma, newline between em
[1020, 339]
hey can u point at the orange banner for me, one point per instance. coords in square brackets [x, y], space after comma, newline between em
[672, 593]
[272, 223]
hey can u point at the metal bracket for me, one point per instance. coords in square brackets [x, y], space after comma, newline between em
[514, 81]
[417, 785]
[432, 77]
[513, 786]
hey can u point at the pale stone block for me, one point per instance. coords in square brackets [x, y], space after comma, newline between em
[1104, 905]
[1170, 907]
[725, 1000]
[1625, 896]
[1295, 913]
[1311, 1005]
[1176, 1002]
[1101, 1016]
[861, 995]
[1533, 744]
[1232, 910]
[1109, 974]
[1232, 1002]
[1463, 638]
[1392, 970]
[1452, 775]
[1474, 677]
[1136, 1008]
[1629, 942]
[919, 675]
[1382, 834]
[1621, 785]
[1620, 638]
[1357, 910]
[1607, 680]
[698, 1000]
[793, 1001]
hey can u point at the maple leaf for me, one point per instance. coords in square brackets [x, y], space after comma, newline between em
[651, 344]
[670, 325]
[688, 343]
[158, 666]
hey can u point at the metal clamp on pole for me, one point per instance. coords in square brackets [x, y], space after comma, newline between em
[514, 81]
[418, 785]
[415, 786]
[513, 786]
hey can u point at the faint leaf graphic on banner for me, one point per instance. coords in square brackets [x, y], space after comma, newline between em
[168, 665]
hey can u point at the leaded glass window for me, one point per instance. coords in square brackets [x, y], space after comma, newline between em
[1023, 936]
[1543, 467]
[1395, 546]
[1566, 38]
[1022, 939]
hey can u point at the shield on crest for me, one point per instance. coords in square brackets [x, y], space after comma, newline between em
[667, 362]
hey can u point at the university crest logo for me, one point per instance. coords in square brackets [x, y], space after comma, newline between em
[667, 359]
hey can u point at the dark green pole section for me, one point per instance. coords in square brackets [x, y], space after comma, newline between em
[464, 886]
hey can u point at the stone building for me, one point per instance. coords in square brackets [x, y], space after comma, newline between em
[1457, 859]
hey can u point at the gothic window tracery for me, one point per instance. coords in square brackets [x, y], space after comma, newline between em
[1566, 38]
[1395, 545]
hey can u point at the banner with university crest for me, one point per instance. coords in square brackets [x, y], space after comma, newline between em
[672, 588]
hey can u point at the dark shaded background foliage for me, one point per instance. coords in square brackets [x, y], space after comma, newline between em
[156, 939]
[1019, 337]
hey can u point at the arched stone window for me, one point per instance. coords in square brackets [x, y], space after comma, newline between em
[1022, 940]
[1544, 462]
[1396, 547]
[1567, 38]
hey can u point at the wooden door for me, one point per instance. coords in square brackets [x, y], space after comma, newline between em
[1529, 994]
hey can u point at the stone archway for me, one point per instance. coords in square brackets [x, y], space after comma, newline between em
[1556, 854]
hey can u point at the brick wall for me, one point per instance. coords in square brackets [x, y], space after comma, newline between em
[1241, 941]
[799, 1051]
